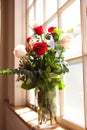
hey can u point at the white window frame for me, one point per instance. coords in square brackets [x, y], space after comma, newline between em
[21, 33]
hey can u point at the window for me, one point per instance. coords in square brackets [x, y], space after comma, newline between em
[74, 90]
[68, 15]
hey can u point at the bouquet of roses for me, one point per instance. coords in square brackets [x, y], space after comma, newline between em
[41, 64]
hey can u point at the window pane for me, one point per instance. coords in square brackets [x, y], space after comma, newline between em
[54, 23]
[74, 105]
[75, 49]
[62, 2]
[72, 16]
[29, 2]
[39, 11]
[51, 8]
[30, 20]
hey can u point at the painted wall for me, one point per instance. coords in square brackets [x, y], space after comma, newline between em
[6, 58]
[12, 31]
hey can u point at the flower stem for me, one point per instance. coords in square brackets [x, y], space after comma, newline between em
[41, 38]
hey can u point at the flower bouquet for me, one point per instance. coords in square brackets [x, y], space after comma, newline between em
[42, 65]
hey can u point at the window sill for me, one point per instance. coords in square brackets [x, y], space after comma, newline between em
[29, 117]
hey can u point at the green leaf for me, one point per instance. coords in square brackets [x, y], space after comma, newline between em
[6, 71]
[47, 36]
[55, 36]
[28, 86]
[57, 31]
[53, 75]
[25, 86]
[61, 85]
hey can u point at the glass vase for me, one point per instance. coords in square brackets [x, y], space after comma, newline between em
[46, 108]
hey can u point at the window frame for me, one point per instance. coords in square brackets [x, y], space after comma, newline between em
[22, 96]
[83, 6]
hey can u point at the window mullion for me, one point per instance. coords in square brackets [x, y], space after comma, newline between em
[44, 11]
[61, 92]
[20, 34]
[84, 52]
[34, 10]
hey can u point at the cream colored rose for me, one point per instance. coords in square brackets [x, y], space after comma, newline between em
[19, 51]
[66, 40]
[35, 24]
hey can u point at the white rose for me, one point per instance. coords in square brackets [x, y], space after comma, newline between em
[66, 40]
[19, 51]
[35, 24]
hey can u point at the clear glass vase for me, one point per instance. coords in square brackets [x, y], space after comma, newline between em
[46, 108]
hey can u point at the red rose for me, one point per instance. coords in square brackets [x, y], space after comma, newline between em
[28, 39]
[39, 30]
[40, 48]
[50, 30]
[27, 48]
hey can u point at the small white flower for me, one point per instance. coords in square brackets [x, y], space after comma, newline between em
[19, 51]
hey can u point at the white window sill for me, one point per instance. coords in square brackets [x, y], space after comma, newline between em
[29, 117]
